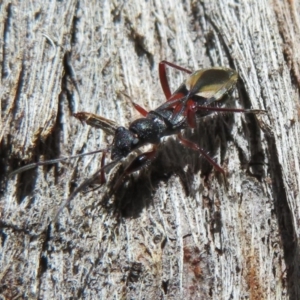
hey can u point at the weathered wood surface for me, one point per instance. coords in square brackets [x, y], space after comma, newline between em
[180, 230]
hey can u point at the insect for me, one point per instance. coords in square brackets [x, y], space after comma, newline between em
[202, 93]
[199, 94]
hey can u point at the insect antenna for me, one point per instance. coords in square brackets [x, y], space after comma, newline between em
[83, 185]
[54, 161]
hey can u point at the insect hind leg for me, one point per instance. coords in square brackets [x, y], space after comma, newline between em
[163, 76]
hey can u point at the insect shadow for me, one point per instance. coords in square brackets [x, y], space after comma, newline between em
[174, 159]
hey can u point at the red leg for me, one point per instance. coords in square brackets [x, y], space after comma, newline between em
[163, 76]
[172, 102]
[224, 109]
[202, 152]
[172, 65]
[139, 162]
[140, 109]
[191, 119]
[191, 113]
[192, 108]
[164, 84]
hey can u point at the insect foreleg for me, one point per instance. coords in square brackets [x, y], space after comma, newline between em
[139, 162]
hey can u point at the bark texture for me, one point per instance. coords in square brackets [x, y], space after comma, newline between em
[177, 230]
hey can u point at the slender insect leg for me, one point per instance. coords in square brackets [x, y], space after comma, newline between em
[195, 147]
[192, 108]
[172, 65]
[139, 108]
[163, 76]
[96, 121]
[138, 163]
[232, 110]
[102, 174]
[165, 85]
[191, 113]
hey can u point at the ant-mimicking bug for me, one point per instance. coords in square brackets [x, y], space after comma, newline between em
[200, 94]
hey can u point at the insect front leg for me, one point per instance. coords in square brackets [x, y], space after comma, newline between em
[138, 163]
[108, 126]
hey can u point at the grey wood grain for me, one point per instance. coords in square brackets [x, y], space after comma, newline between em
[178, 229]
